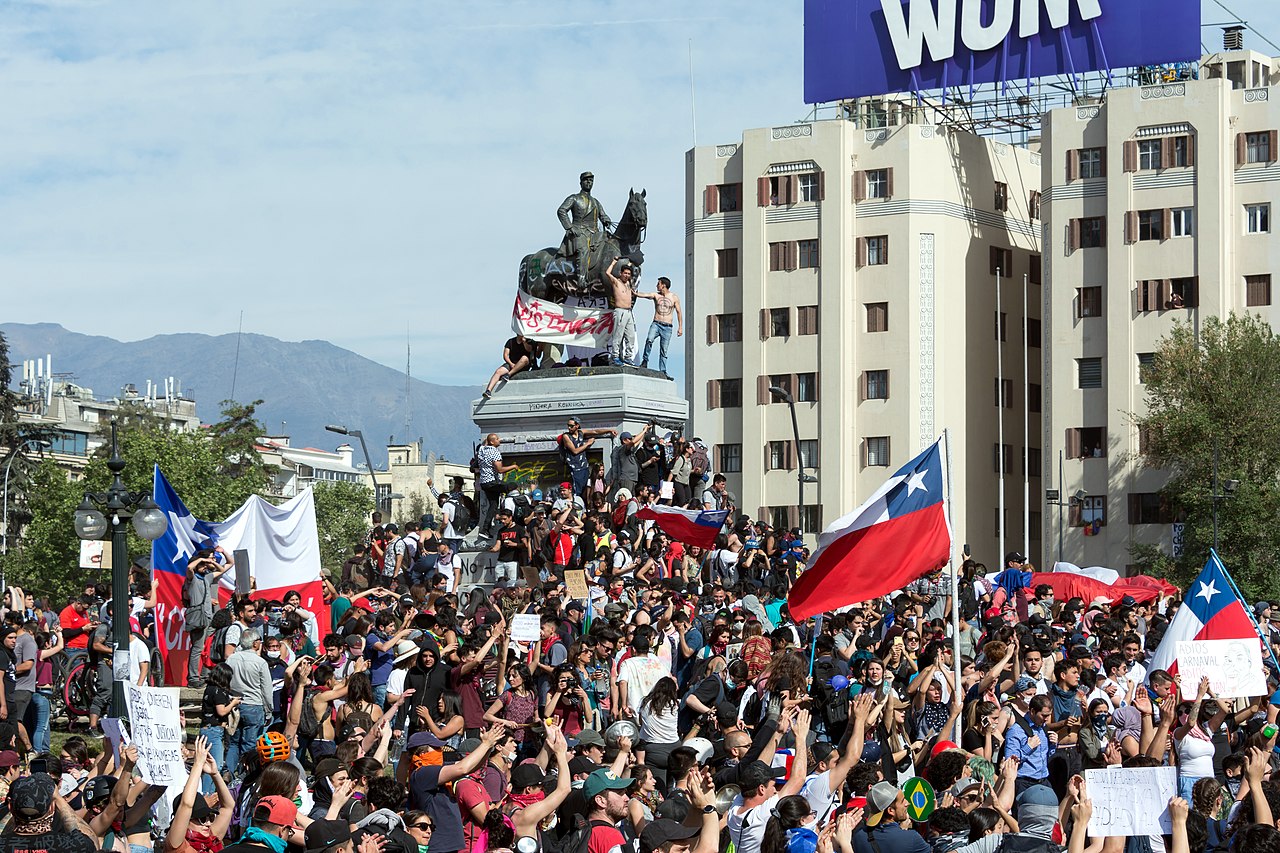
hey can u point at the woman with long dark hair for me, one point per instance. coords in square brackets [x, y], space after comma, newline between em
[787, 829]
[215, 711]
[516, 708]
[659, 730]
[359, 698]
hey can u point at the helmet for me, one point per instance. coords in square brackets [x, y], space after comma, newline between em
[98, 789]
[273, 746]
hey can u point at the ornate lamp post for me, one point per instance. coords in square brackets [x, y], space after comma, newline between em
[106, 513]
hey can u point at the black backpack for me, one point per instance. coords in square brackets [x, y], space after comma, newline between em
[968, 599]
[523, 507]
[220, 625]
[833, 705]
[578, 839]
[308, 722]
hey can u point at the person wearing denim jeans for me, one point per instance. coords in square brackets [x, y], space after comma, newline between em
[666, 308]
[41, 704]
[251, 680]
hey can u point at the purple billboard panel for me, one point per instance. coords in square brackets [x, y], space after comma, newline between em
[854, 48]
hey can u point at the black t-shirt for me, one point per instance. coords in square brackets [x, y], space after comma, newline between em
[213, 697]
[101, 634]
[427, 794]
[650, 475]
[516, 350]
[60, 840]
[8, 664]
[510, 544]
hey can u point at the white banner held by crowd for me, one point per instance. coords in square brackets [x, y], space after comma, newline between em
[157, 732]
[1234, 667]
[1131, 801]
[566, 325]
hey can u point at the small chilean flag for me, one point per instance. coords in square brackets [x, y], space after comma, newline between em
[1211, 610]
[901, 533]
[690, 526]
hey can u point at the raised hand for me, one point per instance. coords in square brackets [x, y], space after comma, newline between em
[1178, 810]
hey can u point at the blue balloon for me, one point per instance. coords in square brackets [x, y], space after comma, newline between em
[839, 682]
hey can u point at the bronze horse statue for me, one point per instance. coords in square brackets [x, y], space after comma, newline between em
[550, 274]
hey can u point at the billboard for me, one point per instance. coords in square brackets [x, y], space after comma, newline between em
[856, 48]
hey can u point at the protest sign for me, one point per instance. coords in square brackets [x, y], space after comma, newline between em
[526, 627]
[1131, 801]
[157, 732]
[116, 734]
[1234, 667]
[575, 580]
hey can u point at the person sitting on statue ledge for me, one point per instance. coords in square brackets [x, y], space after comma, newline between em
[519, 353]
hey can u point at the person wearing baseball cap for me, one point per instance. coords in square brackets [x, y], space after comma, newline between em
[886, 811]
[758, 782]
[607, 802]
[274, 821]
[328, 836]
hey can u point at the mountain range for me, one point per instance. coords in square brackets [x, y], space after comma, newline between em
[303, 385]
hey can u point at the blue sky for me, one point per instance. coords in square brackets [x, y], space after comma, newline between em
[354, 170]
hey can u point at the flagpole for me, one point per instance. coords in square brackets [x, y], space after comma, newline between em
[813, 644]
[955, 587]
[1257, 629]
[1026, 424]
[1000, 333]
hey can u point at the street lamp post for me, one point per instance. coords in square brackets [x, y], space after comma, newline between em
[801, 477]
[364, 448]
[4, 519]
[1228, 491]
[92, 523]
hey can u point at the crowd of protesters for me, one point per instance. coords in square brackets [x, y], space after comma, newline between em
[676, 707]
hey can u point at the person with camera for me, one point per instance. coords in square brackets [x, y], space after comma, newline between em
[198, 599]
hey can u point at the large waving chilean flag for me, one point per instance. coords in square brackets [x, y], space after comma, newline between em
[899, 534]
[1211, 610]
[690, 526]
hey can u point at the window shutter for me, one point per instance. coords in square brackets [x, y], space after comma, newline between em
[995, 259]
[762, 514]
[712, 329]
[793, 254]
[715, 458]
[1166, 292]
[713, 199]
[1135, 507]
[1131, 156]
[762, 390]
[1073, 443]
[816, 376]
[1074, 517]
[1102, 162]
[790, 455]
[884, 249]
[1035, 270]
[1102, 232]
[861, 251]
[1130, 226]
[1242, 150]
[822, 185]
[768, 458]
[1192, 297]
[1191, 149]
[764, 324]
[1273, 137]
[713, 394]
[1073, 235]
[862, 387]
[1166, 220]
[864, 453]
[1073, 164]
[793, 516]
[1144, 296]
[859, 186]
[886, 385]
[1166, 152]
[762, 192]
[888, 192]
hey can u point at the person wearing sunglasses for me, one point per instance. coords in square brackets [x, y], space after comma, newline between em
[420, 827]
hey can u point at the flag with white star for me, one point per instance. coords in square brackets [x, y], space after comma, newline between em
[1211, 610]
[901, 533]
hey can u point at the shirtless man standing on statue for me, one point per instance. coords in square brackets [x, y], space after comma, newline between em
[665, 305]
[622, 346]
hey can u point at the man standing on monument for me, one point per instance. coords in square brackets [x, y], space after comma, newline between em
[582, 218]
[622, 346]
[665, 304]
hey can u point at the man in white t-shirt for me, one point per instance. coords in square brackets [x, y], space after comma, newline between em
[822, 788]
[638, 674]
[758, 782]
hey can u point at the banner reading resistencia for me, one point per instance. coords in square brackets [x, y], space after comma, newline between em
[565, 325]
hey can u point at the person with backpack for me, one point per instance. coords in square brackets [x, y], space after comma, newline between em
[198, 596]
[512, 547]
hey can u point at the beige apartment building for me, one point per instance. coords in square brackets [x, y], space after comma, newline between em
[1157, 207]
[855, 267]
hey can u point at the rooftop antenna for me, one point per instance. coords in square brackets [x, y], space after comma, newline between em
[408, 382]
[235, 368]
[693, 97]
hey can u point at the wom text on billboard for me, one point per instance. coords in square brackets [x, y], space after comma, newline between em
[858, 48]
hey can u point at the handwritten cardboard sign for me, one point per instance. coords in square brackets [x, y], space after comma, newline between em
[575, 580]
[157, 732]
[1131, 801]
[1234, 667]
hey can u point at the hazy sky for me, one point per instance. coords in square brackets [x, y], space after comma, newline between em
[354, 171]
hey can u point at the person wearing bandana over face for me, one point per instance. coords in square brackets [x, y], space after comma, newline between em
[198, 827]
[42, 820]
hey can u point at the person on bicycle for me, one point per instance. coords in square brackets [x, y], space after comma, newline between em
[100, 652]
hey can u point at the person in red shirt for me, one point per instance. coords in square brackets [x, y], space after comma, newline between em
[77, 620]
[607, 801]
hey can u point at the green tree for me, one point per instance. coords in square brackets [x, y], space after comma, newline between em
[1216, 390]
[341, 510]
[20, 449]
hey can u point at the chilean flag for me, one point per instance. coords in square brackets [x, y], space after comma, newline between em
[901, 533]
[690, 526]
[1211, 610]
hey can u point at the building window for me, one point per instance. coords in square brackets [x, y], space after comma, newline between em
[728, 328]
[729, 394]
[1002, 196]
[1002, 326]
[726, 263]
[1033, 397]
[1091, 162]
[70, 443]
[1031, 461]
[808, 254]
[1258, 218]
[783, 256]
[730, 458]
[778, 380]
[877, 251]
[1036, 524]
[1150, 153]
[1033, 333]
[1181, 154]
[1002, 453]
[1257, 290]
[1035, 269]
[779, 455]
[806, 319]
[811, 517]
[808, 452]
[730, 197]
[1086, 443]
[1146, 363]
[877, 316]
[779, 322]
[1257, 147]
[1004, 393]
[1184, 293]
[780, 517]
[1092, 232]
[1150, 225]
[876, 451]
[1149, 508]
[1182, 221]
[1088, 373]
[1090, 512]
[806, 388]
[877, 183]
[875, 385]
[1033, 205]
[1089, 301]
[809, 186]
[1001, 529]
[1001, 261]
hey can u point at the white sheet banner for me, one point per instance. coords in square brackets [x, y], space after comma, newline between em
[157, 731]
[282, 542]
[1234, 667]
[567, 325]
